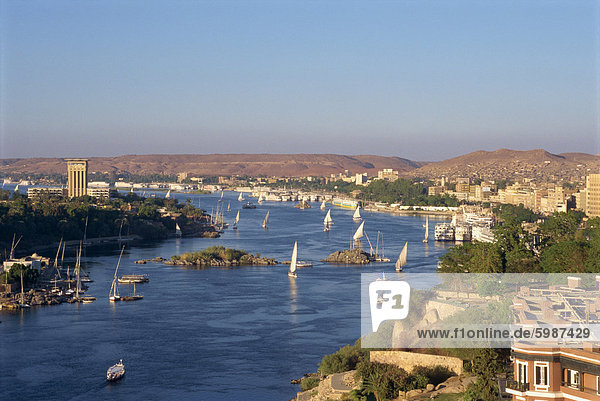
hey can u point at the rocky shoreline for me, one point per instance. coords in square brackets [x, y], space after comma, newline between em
[32, 297]
[349, 256]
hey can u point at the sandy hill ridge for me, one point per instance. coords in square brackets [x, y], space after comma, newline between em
[220, 164]
[513, 164]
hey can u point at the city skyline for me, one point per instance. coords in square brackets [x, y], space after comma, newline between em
[420, 80]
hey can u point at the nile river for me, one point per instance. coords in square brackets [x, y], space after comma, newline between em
[211, 334]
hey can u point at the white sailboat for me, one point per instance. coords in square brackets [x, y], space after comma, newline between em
[177, 230]
[241, 197]
[292, 271]
[426, 226]
[327, 221]
[260, 198]
[16, 188]
[323, 205]
[356, 216]
[221, 196]
[402, 258]
[237, 219]
[22, 303]
[359, 232]
[113, 294]
[168, 195]
[229, 206]
[266, 220]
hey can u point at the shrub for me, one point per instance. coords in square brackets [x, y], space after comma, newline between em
[309, 383]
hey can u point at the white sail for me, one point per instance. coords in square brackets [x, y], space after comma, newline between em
[266, 220]
[17, 188]
[228, 207]
[356, 214]
[402, 258]
[426, 229]
[328, 220]
[168, 195]
[294, 258]
[241, 197]
[359, 232]
[221, 196]
[237, 218]
[113, 294]
[323, 205]
[177, 230]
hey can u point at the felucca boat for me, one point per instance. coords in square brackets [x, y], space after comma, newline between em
[356, 216]
[402, 258]
[292, 271]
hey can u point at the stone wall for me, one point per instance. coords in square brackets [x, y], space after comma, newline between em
[408, 360]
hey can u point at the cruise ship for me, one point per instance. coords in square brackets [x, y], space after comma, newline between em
[347, 203]
[444, 232]
[462, 232]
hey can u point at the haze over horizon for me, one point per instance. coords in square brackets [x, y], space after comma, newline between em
[423, 80]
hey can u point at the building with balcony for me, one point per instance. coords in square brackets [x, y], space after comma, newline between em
[558, 373]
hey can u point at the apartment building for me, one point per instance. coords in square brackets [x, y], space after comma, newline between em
[557, 373]
[592, 185]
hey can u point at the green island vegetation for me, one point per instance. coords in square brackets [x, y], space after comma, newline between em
[46, 219]
[402, 191]
[220, 256]
[384, 381]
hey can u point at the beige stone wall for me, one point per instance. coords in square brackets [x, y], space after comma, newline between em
[408, 360]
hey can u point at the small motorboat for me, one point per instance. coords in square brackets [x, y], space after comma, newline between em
[115, 372]
[248, 205]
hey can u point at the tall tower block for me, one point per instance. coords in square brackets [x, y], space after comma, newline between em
[77, 177]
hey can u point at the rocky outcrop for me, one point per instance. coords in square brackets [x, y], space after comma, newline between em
[349, 256]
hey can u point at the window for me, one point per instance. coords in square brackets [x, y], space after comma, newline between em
[572, 378]
[541, 374]
[521, 372]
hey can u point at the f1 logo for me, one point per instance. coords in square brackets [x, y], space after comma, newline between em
[389, 300]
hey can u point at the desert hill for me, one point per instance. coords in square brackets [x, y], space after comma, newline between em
[219, 164]
[513, 164]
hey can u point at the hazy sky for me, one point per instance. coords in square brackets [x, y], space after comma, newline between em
[425, 80]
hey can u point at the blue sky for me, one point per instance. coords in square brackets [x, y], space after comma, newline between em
[425, 80]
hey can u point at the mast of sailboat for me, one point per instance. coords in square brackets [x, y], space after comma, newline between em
[56, 258]
[77, 271]
[113, 287]
[22, 295]
[377, 245]
[85, 230]
[266, 220]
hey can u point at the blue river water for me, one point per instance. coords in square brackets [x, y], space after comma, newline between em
[207, 334]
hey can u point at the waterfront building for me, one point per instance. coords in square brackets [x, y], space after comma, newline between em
[592, 185]
[463, 185]
[388, 174]
[361, 179]
[555, 373]
[35, 192]
[436, 190]
[77, 175]
[33, 262]
[100, 192]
